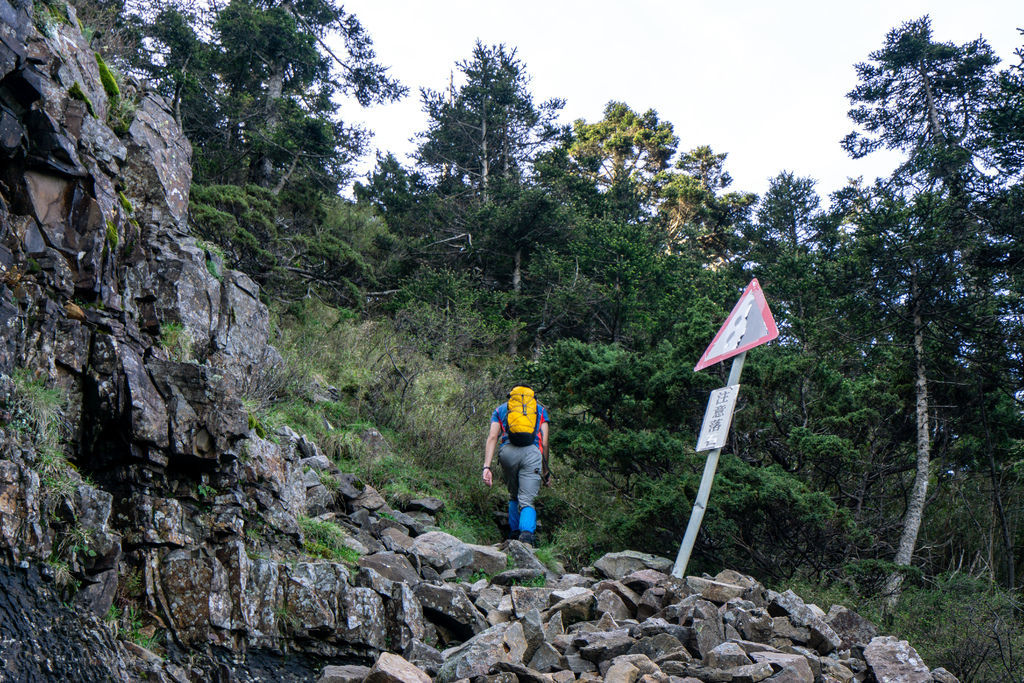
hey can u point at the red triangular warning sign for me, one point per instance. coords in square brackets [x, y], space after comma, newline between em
[750, 324]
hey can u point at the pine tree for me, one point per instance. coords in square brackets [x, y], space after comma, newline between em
[924, 98]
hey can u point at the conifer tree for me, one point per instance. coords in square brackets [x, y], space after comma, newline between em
[924, 98]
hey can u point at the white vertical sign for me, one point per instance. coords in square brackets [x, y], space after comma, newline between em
[717, 418]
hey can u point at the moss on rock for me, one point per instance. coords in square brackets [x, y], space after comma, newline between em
[76, 92]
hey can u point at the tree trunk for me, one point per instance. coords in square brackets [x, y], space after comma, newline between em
[915, 507]
[1000, 512]
[177, 91]
[933, 112]
[275, 88]
[285, 177]
[517, 287]
[517, 271]
[485, 166]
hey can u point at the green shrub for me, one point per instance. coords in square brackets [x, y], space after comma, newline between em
[328, 481]
[39, 408]
[429, 412]
[450, 318]
[537, 582]
[548, 556]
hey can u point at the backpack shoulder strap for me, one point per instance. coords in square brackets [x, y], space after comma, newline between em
[503, 417]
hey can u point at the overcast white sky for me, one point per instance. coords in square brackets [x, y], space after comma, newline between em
[765, 82]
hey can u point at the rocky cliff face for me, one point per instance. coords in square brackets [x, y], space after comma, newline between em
[138, 507]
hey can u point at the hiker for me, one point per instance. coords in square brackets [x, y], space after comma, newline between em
[521, 424]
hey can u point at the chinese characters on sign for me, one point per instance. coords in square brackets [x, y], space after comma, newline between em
[717, 418]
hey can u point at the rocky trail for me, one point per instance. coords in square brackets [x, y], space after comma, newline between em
[419, 604]
[149, 510]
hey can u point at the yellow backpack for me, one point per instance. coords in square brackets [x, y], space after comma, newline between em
[522, 420]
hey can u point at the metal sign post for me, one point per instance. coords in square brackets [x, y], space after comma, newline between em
[704, 492]
[750, 324]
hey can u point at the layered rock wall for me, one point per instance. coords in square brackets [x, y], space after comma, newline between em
[159, 478]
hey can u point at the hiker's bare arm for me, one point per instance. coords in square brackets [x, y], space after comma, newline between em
[492, 442]
[544, 453]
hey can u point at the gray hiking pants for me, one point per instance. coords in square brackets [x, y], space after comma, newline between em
[521, 466]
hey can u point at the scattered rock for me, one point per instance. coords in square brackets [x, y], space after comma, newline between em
[942, 676]
[391, 566]
[525, 599]
[391, 668]
[751, 673]
[501, 643]
[369, 499]
[448, 606]
[894, 661]
[715, 591]
[516, 577]
[853, 629]
[487, 559]
[603, 645]
[576, 607]
[822, 637]
[522, 557]
[441, 551]
[424, 656]
[348, 673]
[726, 656]
[429, 505]
[609, 602]
[547, 659]
[622, 672]
[621, 564]
[789, 668]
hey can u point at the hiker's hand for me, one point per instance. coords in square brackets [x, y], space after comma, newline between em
[546, 478]
[488, 477]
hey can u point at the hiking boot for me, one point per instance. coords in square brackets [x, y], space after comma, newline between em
[527, 537]
[513, 535]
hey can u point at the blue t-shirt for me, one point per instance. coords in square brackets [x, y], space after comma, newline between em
[500, 416]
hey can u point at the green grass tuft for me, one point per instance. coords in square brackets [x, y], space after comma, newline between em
[547, 556]
[120, 115]
[326, 540]
[134, 629]
[538, 582]
[176, 339]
